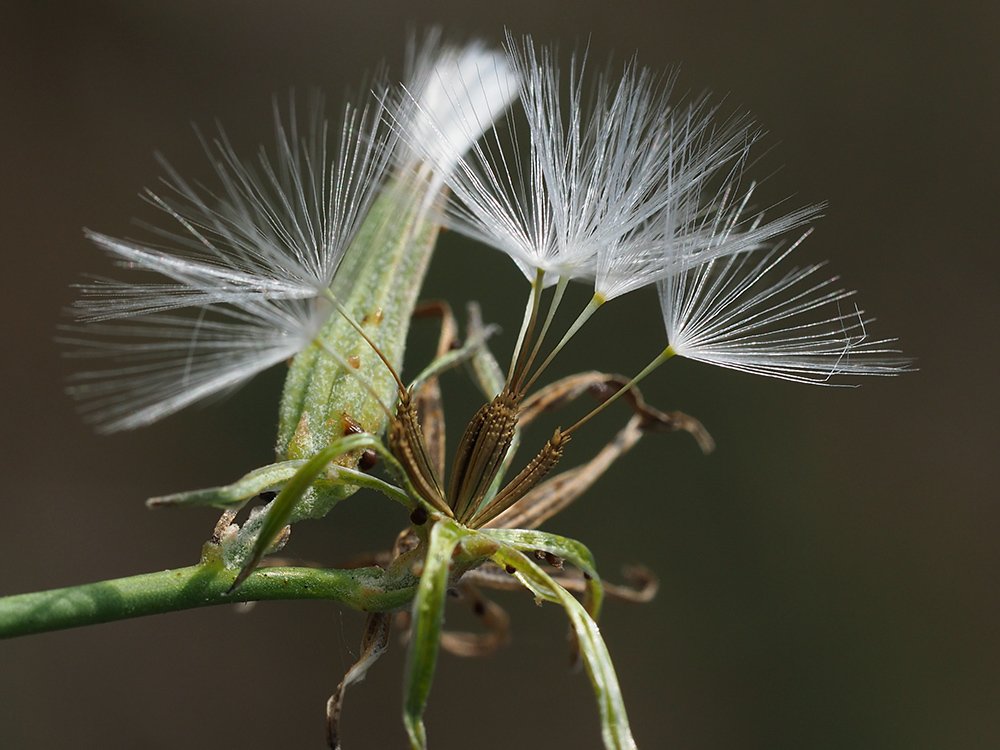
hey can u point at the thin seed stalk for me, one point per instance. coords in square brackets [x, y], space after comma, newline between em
[657, 361]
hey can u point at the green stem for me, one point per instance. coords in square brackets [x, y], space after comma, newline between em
[366, 589]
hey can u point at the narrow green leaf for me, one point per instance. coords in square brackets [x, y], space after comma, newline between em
[614, 720]
[575, 552]
[485, 370]
[469, 349]
[425, 634]
[274, 476]
[243, 489]
[358, 478]
[280, 510]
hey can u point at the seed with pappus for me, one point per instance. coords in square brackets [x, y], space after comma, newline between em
[314, 251]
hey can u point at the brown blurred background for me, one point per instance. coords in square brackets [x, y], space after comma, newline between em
[828, 575]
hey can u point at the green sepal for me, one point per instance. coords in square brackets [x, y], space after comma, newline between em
[484, 369]
[614, 720]
[245, 488]
[425, 633]
[279, 512]
[467, 352]
[575, 552]
[273, 477]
